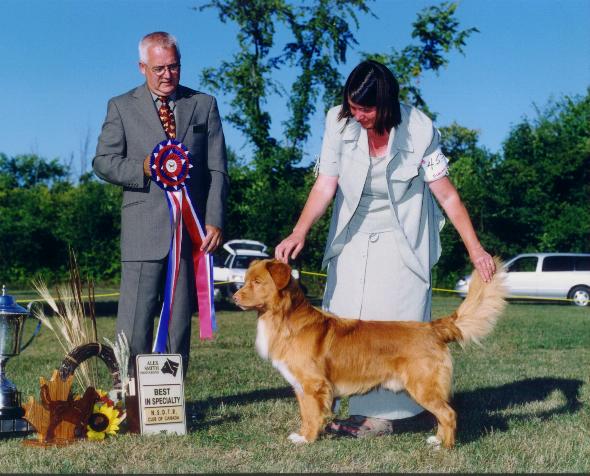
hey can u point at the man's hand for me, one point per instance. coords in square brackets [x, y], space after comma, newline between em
[146, 166]
[212, 240]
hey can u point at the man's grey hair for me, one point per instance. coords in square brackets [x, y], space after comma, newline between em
[157, 38]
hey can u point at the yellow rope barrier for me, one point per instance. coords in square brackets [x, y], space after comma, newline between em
[314, 274]
[107, 295]
[536, 298]
[324, 275]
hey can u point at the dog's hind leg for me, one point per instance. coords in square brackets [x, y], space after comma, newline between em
[432, 393]
[315, 402]
[447, 422]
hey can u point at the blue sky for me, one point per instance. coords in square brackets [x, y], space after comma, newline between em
[63, 60]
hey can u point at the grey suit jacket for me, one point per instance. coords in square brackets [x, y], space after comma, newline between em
[130, 131]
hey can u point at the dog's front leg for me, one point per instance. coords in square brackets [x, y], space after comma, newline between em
[315, 402]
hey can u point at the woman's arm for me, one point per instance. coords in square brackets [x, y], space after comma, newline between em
[446, 194]
[319, 198]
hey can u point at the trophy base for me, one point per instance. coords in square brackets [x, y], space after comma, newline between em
[7, 413]
[14, 427]
[11, 413]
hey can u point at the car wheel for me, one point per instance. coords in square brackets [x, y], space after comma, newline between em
[580, 296]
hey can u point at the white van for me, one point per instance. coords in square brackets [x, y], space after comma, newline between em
[545, 275]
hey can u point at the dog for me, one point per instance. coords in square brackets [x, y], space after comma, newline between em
[323, 356]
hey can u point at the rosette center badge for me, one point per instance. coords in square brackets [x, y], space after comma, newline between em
[170, 164]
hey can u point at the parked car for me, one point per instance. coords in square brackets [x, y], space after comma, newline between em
[545, 275]
[230, 270]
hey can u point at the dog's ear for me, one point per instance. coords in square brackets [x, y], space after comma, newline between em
[279, 272]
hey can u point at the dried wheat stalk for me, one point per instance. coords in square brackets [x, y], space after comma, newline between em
[71, 325]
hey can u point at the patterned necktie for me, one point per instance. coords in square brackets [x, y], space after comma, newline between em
[167, 118]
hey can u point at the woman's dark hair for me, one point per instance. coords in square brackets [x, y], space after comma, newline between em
[373, 84]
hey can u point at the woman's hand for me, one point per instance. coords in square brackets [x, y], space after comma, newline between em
[290, 247]
[317, 202]
[483, 262]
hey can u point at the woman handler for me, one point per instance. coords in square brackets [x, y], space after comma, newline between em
[383, 161]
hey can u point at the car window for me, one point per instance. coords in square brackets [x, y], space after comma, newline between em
[251, 246]
[218, 259]
[582, 263]
[525, 264]
[244, 261]
[558, 263]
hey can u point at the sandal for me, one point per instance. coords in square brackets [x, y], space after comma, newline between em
[359, 426]
[336, 425]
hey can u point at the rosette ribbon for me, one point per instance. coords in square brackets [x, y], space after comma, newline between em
[170, 166]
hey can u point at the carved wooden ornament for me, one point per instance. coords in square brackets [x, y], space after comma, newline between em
[58, 418]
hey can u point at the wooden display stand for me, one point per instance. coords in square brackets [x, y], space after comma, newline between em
[58, 418]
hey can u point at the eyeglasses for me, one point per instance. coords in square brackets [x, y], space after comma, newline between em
[172, 68]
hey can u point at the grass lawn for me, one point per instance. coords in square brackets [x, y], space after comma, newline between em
[522, 399]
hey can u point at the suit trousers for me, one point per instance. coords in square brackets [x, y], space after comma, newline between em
[142, 294]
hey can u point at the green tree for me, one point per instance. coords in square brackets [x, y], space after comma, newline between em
[29, 170]
[28, 186]
[273, 186]
[544, 181]
[247, 77]
[87, 219]
[42, 214]
[531, 198]
[472, 170]
[437, 30]
[269, 190]
[322, 36]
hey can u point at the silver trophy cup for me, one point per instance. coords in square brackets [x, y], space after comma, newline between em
[12, 319]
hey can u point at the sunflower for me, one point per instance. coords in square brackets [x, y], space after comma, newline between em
[103, 421]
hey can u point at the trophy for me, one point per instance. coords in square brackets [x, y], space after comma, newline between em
[12, 319]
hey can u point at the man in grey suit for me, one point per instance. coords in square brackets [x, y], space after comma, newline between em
[131, 130]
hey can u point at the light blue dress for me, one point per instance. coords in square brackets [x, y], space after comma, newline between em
[369, 277]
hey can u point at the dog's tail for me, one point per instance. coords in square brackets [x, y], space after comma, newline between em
[476, 316]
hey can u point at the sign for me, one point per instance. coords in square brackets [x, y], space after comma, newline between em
[160, 393]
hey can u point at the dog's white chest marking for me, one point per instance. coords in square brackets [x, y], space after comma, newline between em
[288, 376]
[262, 349]
[261, 339]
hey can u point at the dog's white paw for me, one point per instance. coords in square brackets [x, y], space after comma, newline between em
[434, 442]
[297, 438]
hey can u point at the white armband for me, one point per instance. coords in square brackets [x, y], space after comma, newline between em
[435, 166]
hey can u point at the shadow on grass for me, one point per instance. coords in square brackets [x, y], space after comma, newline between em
[479, 411]
[196, 410]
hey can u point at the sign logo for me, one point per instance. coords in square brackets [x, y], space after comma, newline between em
[170, 367]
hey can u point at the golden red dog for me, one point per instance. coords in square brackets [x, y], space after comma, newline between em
[323, 356]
